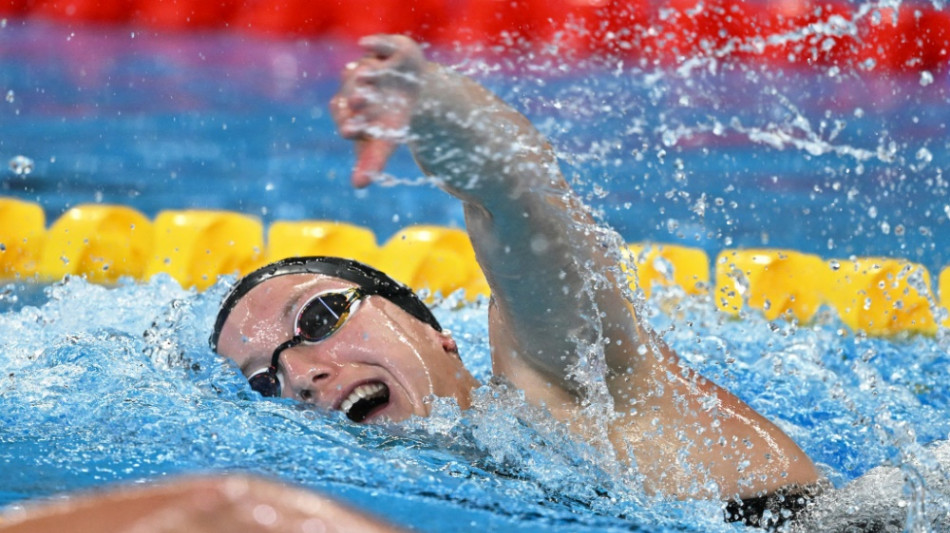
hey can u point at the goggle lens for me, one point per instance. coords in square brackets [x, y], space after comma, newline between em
[265, 383]
[324, 315]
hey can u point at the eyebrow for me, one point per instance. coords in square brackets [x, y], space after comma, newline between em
[294, 300]
[288, 309]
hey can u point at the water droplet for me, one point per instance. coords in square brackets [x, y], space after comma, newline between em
[926, 78]
[834, 264]
[663, 267]
[539, 244]
[669, 138]
[10, 96]
[924, 155]
[700, 206]
[21, 165]
[740, 282]
[9, 296]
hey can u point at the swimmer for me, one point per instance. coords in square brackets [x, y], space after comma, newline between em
[343, 336]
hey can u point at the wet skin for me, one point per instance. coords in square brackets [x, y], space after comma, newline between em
[378, 344]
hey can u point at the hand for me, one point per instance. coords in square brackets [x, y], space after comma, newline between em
[375, 103]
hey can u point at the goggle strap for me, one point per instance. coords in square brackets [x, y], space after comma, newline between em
[286, 345]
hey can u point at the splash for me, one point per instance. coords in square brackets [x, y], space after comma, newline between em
[118, 384]
[21, 165]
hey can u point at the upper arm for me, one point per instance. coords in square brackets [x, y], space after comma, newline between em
[556, 285]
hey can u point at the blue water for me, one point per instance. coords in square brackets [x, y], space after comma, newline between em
[100, 385]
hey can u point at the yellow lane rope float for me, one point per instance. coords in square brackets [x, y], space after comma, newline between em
[880, 296]
[21, 243]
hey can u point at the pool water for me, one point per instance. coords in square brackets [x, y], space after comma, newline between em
[722, 154]
[106, 384]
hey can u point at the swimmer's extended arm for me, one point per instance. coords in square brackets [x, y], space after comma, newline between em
[554, 285]
[557, 290]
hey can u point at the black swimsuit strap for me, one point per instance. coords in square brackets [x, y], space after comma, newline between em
[783, 505]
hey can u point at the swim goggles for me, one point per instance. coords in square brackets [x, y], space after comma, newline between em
[319, 317]
[370, 280]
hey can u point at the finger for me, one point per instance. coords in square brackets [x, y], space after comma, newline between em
[345, 118]
[339, 110]
[371, 158]
[346, 108]
[381, 46]
[355, 75]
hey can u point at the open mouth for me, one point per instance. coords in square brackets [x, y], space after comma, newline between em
[365, 400]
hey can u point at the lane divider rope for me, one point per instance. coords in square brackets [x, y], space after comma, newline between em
[103, 243]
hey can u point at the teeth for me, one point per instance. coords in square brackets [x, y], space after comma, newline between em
[363, 391]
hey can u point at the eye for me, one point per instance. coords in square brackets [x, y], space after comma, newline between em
[265, 383]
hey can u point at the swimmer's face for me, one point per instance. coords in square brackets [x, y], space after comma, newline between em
[380, 364]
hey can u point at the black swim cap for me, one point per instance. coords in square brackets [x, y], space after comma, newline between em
[366, 277]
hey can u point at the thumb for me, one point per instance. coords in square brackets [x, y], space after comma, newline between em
[371, 157]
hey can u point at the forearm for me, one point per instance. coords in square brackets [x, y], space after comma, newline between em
[484, 151]
[519, 209]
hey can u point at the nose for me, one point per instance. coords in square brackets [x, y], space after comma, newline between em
[305, 373]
